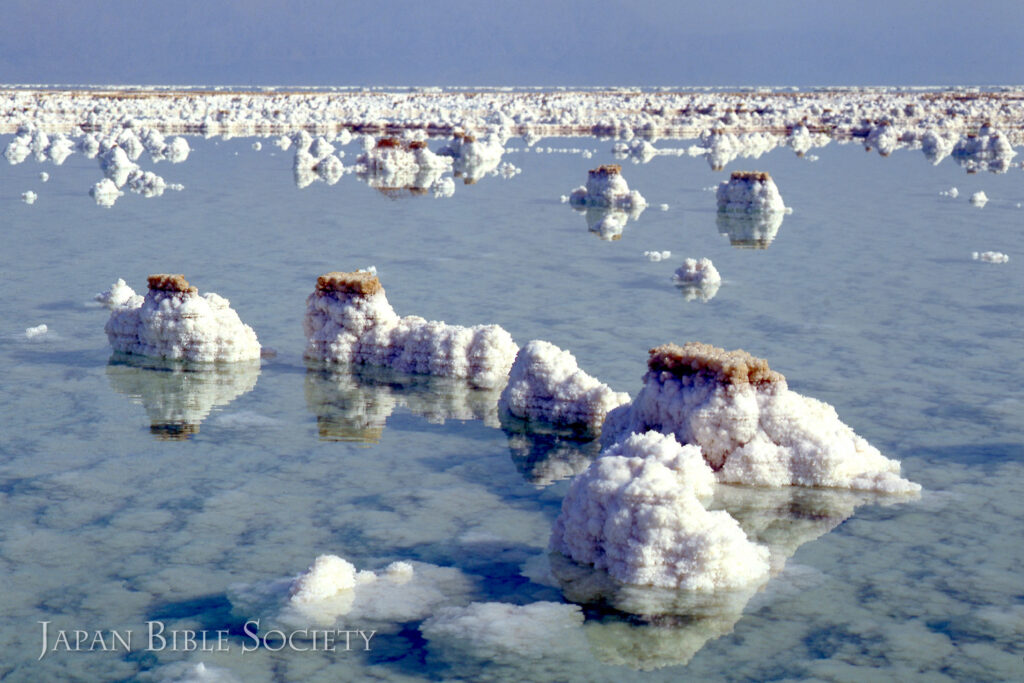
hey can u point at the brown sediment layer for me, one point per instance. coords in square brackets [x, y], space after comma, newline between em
[759, 176]
[605, 170]
[727, 367]
[162, 282]
[359, 282]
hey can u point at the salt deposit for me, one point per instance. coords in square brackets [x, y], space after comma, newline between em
[655, 256]
[750, 427]
[473, 158]
[332, 588]
[636, 511]
[749, 192]
[606, 188]
[349, 320]
[173, 321]
[545, 385]
[698, 279]
[396, 167]
[105, 192]
[29, 197]
[990, 257]
[178, 396]
[979, 199]
[37, 332]
[988, 150]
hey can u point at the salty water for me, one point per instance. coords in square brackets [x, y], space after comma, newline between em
[133, 492]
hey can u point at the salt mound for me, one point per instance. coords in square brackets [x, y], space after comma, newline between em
[349, 320]
[332, 588]
[105, 192]
[636, 512]
[990, 257]
[606, 188]
[174, 322]
[546, 385]
[473, 158]
[698, 279]
[749, 426]
[979, 198]
[749, 192]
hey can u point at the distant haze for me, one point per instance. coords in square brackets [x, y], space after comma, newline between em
[528, 42]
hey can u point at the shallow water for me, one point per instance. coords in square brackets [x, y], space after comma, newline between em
[133, 492]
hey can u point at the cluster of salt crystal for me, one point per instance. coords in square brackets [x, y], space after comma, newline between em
[990, 256]
[979, 198]
[637, 512]
[29, 197]
[36, 332]
[750, 427]
[720, 148]
[105, 193]
[349, 320]
[473, 158]
[655, 256]
[988, 150]
[173, 321]
[606, 188]
[545, 385]
[698, 279]
[393, 166]
[749, 192]
[332, 587]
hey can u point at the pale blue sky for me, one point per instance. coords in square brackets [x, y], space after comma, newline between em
[528, 42]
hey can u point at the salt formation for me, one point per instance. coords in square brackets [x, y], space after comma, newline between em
[349, 320]
[750, 427]
[990, 257]
[353, 403]
[749, 192]
[105, 192]
[333, 588]
[474, 158]
[174, 322]
[698, 279]
[395, 167]
[988, 150]
[637, 512]
[606, 188]
[29, 197]
[655, 256]
[178, 396]
[37, 332]
[545, 385]
[979, 199]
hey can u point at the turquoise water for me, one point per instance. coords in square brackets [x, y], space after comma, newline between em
[135, 492]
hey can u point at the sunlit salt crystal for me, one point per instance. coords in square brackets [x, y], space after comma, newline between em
[18, 149]
[349, 320]
[663, 207]
[990, 257]
[119, 294]
[952, 192]
[36, 332]
[749, 192]
[257, 146]
[546, 385]
[116, 165]
[606, 188]
[979, 198]
[283, 143]
[637, 512]
[173, 321]
[146, 183]
[749, 426]
[60, 149]
[177, 150]
[29, 197]
[44, 176]
[105, 192]
[655, 256]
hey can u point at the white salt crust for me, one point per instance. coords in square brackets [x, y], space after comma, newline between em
[990, 257]
[757, 433]
[698, 279]
[546, 385]
[362, 328]
[177, 325]
[750, 193]
[332, 588]
[636, 512]
[606, 188]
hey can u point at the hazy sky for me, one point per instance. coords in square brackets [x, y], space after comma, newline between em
[528, 42]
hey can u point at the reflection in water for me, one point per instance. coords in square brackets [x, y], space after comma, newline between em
[989, 150]
[179, 395]
[647, 627]
[472, 159]
[608, 223]
[353, 403]
[749, 230]
[404, 168]
[544, 455]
